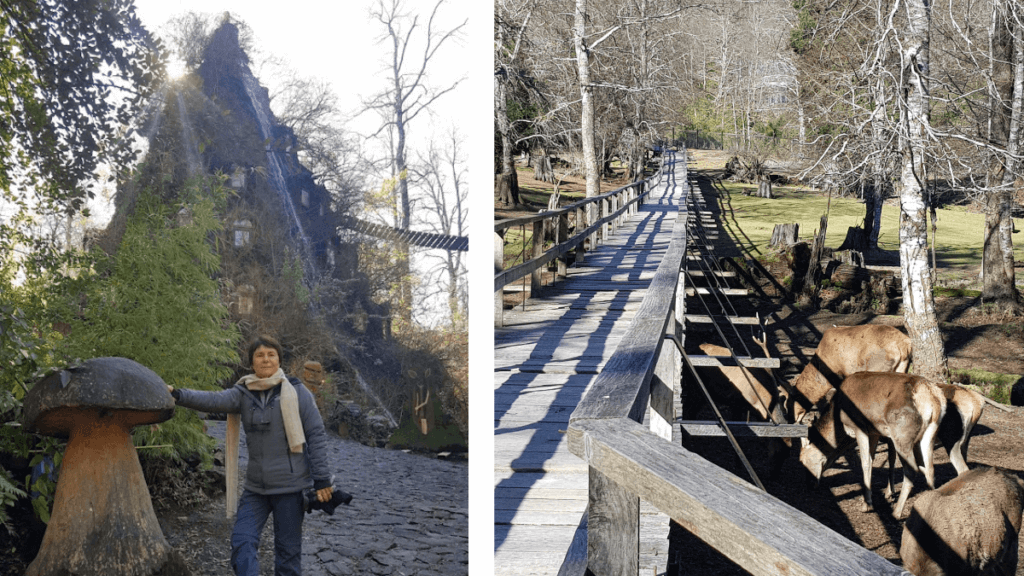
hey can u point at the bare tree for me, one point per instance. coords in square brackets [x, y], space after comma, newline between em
[441, 176]
[310, 108]
[1005, 102]
[511, 20]
[408, 96]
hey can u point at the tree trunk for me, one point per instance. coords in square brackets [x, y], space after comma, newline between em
[542, 169]
[918, 298]
[507, 183]
[587, 126]
[999, 282]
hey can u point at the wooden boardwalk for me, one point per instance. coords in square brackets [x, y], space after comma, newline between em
[545, 357]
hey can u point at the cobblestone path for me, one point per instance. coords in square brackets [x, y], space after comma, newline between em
[409, 516]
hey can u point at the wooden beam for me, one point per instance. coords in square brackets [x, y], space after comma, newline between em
[738, 320]
[762, 534]
[702, 360]
[723, 291]
[744, 429]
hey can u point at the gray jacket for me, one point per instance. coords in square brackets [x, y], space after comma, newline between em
[272, 468]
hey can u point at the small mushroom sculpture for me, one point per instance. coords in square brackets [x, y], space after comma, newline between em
[103, 520]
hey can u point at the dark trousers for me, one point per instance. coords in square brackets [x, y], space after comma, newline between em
[253, 510]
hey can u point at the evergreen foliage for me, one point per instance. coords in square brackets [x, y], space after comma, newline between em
[160, 305]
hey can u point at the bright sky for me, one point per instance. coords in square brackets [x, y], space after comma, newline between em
[340, 47]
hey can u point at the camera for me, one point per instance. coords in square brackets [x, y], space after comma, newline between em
[310, 501]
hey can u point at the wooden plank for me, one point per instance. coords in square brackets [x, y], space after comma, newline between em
[738, 320]
[523, 381]
[744, 429]
[621, 390]
[701, 360]
[757, 531]
[724, 291]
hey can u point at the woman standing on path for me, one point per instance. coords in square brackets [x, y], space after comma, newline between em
[279, 416]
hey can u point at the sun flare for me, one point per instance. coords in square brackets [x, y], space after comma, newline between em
[176, 69]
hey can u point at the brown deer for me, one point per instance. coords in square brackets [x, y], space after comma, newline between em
[869, 406]
[755, 389]
[845, 350]
[968, 526]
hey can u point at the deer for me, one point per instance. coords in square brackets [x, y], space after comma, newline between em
[756, 389]
[845, 350]
[968, 526]
[842, 351]
[904, 408]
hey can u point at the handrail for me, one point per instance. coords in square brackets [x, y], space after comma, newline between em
[614, 206]
[500, 225]
[629, 461]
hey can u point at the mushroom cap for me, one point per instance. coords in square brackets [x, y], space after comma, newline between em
[111, 387]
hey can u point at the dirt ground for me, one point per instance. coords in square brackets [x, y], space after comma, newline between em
[972, 339]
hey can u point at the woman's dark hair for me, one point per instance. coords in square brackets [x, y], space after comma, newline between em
[269, 342]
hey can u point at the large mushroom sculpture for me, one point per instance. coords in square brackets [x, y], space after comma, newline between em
[103, 520]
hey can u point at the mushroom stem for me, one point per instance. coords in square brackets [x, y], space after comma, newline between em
[103, 521]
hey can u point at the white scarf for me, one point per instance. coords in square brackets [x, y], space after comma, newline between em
[292, 429]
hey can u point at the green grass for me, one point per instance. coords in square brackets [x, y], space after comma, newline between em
[991, 384]
[751, 220]
[956, 292]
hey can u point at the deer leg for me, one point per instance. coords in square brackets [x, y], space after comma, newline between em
[910, 470]
[890, 453]
[866, 447]
[927, 446]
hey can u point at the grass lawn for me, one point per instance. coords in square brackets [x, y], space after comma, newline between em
[958, 240]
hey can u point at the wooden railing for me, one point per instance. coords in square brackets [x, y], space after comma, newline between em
[629, 462]
[611, 209]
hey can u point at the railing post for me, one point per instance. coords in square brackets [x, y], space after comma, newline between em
[604, 214]
[580, 225]
[538, 251]
[561, 236]
[499, 265]
[591, 210]
[613, 531]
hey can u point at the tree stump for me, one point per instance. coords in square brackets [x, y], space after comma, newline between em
[856, 239]
[542, 169]
[813, 277]
[506, 187]
[764, 186]
[784, 235]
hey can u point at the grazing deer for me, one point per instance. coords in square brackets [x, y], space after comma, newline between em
[869, 406]
[845, 350]
[755, 389]
[968, 526]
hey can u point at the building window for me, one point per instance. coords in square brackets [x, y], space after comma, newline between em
[246, 297]
[238, 180]
[243, 233]
[330, 257]
[305, 199]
